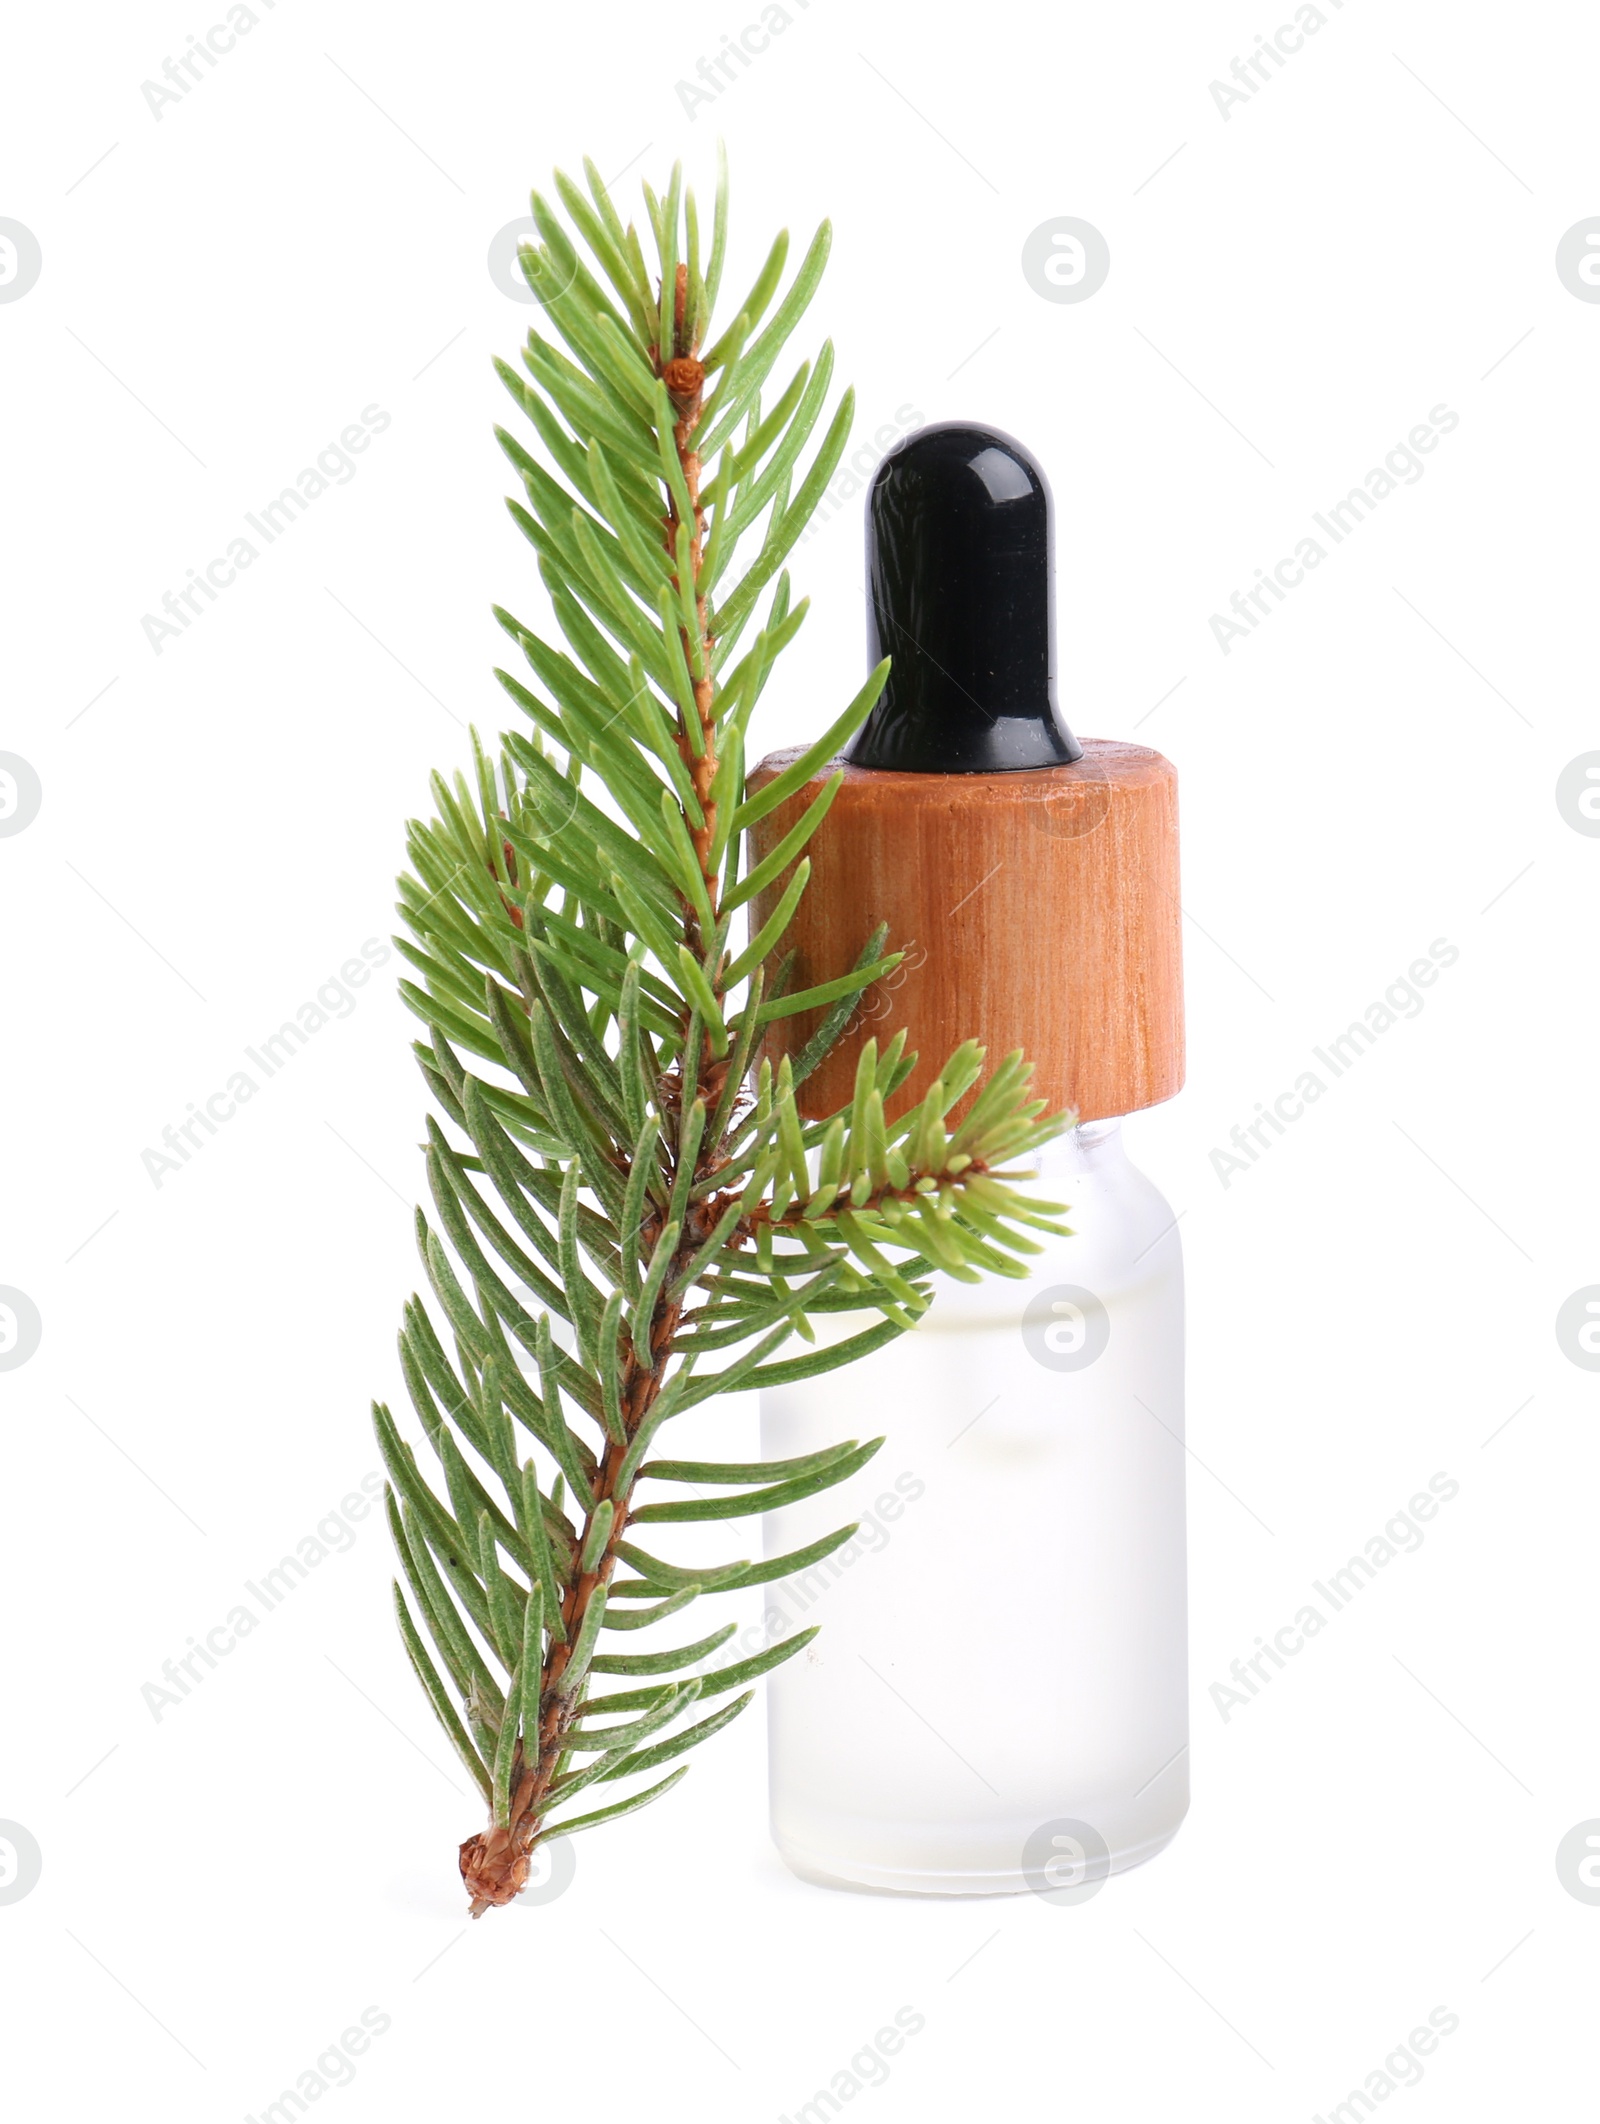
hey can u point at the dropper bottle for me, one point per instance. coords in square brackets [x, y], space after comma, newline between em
[998, 1698]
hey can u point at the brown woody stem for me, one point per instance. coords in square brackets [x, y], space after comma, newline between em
[495, 1863]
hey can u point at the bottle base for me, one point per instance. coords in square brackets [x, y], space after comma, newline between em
[864, 1878]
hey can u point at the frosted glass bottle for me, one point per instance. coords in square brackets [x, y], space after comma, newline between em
[998, 1697]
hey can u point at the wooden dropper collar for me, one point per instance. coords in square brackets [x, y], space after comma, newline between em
[1031, 881]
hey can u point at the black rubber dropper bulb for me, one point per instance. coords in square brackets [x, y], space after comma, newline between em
[960, 594]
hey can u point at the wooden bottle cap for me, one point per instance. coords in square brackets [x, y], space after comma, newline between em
[1036, 909]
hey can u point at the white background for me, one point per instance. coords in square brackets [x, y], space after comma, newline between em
[303, 235]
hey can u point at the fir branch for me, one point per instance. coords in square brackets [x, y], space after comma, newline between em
[615, 1197]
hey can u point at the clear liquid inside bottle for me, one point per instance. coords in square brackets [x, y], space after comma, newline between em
[1000, 1676]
